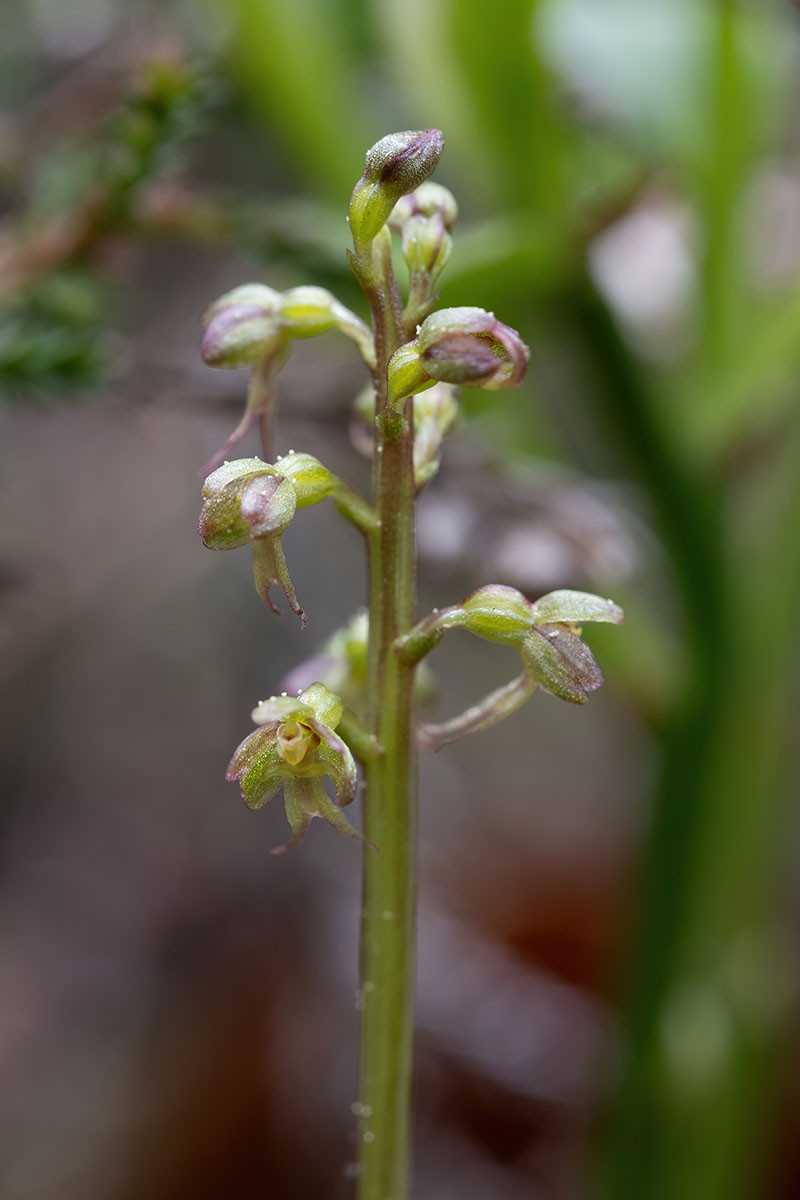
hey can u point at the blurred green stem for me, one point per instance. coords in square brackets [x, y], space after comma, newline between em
[703, 1010]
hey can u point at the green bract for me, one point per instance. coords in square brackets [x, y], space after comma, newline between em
[294, 748]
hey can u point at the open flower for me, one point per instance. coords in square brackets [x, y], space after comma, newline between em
[294, 748]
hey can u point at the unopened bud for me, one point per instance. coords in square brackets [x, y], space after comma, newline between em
[250, 502]
[470, 346]
[395, 165]
[242, 327]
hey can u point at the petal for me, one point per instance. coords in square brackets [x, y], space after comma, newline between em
[281, 708]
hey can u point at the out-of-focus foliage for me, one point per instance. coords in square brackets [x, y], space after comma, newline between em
[79, 196]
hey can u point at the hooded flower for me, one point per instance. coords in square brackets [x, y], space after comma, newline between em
[249, 502]
[466, 346]
[294, 748]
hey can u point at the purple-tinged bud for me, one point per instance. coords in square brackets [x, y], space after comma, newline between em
[403, 161]
[243, 327]
[222, 524]
[395, 165]
[249, 502]
[461, 346]
[470, 346]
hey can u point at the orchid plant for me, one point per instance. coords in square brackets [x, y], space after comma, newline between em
[356, 701]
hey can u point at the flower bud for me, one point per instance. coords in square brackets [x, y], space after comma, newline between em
[309, 478]
[426, 246]
[395, 165]
[428, 200]
[470, 346]
[248, 501]
[242, 327]
[466, 346]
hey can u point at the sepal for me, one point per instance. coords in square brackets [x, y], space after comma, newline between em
[311, 481]
[560, 662]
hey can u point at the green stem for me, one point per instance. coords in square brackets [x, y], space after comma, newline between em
[388, 930]
[355, 509]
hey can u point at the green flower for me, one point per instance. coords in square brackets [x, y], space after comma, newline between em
[294, 748]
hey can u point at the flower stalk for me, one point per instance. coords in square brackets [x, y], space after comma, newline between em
[356, 698]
